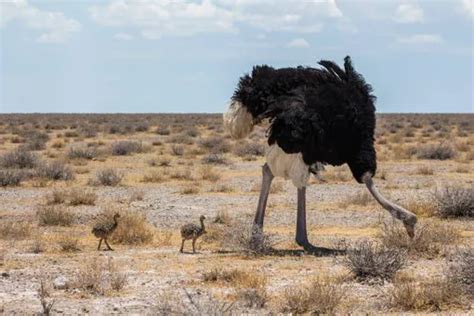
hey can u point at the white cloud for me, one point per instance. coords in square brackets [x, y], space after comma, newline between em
[408, 13]
[157, 18]
[54, 26]
[467, 7]
[123, 36]
[421, 39]
[298, 43]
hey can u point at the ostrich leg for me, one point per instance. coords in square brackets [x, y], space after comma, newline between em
[301, 233]
[267, 178]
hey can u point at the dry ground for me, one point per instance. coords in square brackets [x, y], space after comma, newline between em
[179, 167]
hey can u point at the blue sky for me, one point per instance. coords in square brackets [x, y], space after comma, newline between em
[187, 56]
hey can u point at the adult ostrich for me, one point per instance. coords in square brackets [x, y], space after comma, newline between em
[317, 116]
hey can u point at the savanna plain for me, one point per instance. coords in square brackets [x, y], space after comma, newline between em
[61, 174]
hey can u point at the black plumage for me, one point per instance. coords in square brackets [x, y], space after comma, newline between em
[327, 113]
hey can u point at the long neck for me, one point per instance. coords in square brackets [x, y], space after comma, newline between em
[115, 221]
[202, 225]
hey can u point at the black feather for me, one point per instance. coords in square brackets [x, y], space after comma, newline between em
[327, 114]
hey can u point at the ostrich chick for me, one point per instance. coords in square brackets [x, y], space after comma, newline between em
[104, 229]
[192, 231]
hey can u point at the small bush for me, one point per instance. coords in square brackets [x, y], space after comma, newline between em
[133, 229]
[11, 177]
[237, 236]
[319, 297]
[163, 130]
[190, 189]
[19, 159]
[209, 174]
[56, 197]
[55, 170]
[125, 147]
[153, 177]
[215, 159]
[430, 238]
[108, 177]
[250, 149]
[54, 216]
[439, 151]
[370, 261]
[69, 244]
[88, 153]
[461, 270]
[217, 145]
[425, 170]
[425, 296]
[79, 196]
[177, 150]
[15, 230]
[455, 202]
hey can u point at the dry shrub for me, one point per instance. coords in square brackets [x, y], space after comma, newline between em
[11, 177]
[222, 217]
[19, 159]
[181, 139]
[369, 261]
[181, 174]
[163, 130]
[208, 173]
[136, 195]
[215, 159]
[421, 208]
[251, 288]
[79, 196]
[441, 151]
[237, 236]
[320, 296]
[77, 152]
[163, 238]
[54, 215]
[192, 188]
[177, 150]
[430, 238]
[46, 303]
[455, 202]
[425, 171]
[133, 229]
[433, 296]
[56, 197]
[173, 302]
[68, 243]
[153, 177]
[98, 277]
[107, 177]
[461, 269]
[126, 147]
[54, 170]
[249, 149]
[15, 230]
[216, 144]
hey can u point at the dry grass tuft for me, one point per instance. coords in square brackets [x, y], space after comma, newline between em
[68, 243]
[320, 296]
[454, 202]
[431, 296]
[54, 170]
[133, 229]
[461, 270]
[441, 151]
[98, 277]
[425, 171]
[78, 196]
[192, 188]
[107, 177]
[430, 239]
[209, 173]
[54, 215]
[11, 177]
[15, 230]
[369, 261]
[421, 208]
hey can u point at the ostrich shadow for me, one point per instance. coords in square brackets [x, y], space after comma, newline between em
[314, 251]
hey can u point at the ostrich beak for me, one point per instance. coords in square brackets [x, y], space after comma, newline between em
[408, 218]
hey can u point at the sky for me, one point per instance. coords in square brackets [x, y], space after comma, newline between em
[187, 56]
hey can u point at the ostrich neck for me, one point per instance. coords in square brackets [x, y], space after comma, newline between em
[202, 225]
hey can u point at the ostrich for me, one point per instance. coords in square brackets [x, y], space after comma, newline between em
[104, 229]
[317, 116]
[192, 231]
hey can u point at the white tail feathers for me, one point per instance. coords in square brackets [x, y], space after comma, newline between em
[238, 121]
